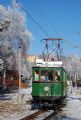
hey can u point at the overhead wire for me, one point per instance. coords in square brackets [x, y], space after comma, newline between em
[45, 17]
[34, 21]
[52, 27]
[26, 11]
[39, 26]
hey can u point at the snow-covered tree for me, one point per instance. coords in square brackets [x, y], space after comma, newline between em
[13, 33]
[73, 66]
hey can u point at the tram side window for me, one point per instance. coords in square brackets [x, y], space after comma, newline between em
[57, 76]
[36, 75]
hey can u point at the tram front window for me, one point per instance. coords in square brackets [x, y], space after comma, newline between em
[46, 75]
[43, 75]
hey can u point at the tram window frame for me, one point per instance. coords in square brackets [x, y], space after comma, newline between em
[57, 75]
[36, 76]
[42, 76]
[64, 76]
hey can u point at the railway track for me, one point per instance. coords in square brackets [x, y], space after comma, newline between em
[41, 115]
[44, 114]
[34, 115]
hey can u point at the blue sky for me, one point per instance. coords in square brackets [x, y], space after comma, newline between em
[59, 18]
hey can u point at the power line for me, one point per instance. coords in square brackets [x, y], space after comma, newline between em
[51, 26]
[39, 26]
[43, 14]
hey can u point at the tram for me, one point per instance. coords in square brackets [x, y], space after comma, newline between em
[49, 83]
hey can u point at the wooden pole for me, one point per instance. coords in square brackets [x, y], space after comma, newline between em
[19, 96]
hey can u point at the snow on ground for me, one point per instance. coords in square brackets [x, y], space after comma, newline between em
[72, 110]
[17, 107]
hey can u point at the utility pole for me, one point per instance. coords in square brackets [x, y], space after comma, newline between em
[19, 68]
[19, 96]
[77, 73]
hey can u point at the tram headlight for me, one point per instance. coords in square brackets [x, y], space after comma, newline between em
[46, 88]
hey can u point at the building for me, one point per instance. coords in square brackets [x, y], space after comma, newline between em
[32, 58]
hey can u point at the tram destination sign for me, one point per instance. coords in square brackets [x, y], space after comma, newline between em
[42, 63]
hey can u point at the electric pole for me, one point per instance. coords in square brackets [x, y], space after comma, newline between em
[19, 56]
